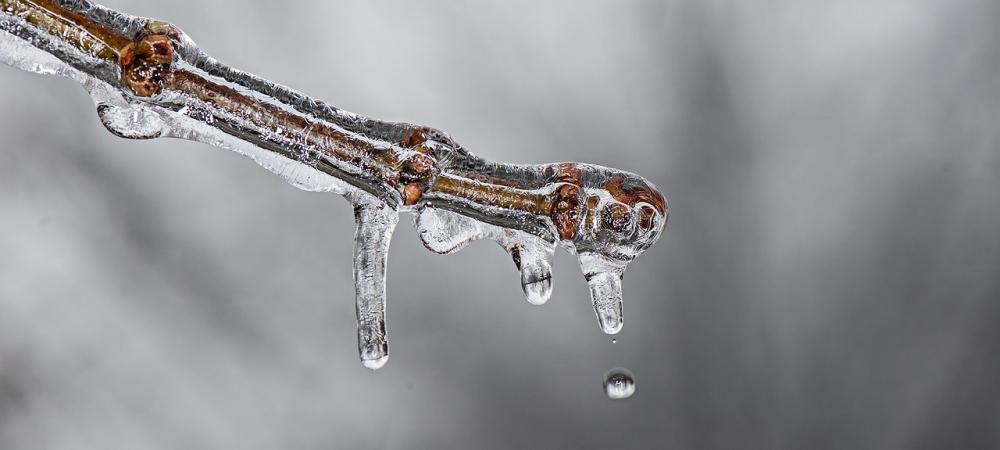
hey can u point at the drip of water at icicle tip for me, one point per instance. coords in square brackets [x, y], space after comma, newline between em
[619, 384]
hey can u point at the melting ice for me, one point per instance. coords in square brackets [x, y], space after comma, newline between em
[606, 217]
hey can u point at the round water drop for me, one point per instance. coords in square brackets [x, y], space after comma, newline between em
[130, 121]
[536, 282]
[619, 384]
[614, 341]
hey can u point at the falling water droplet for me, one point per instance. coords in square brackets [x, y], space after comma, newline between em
[619, 384]
[614, 341]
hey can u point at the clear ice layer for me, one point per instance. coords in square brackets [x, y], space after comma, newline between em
[149, 80]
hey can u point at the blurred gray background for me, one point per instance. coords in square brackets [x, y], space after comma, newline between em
[829, 278]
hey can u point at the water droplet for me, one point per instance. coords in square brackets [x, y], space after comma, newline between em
[614, 341]
[536, 280]
[532, 256]
[619, 384]
[131, 121]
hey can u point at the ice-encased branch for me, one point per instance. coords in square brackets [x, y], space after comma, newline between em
[150, 80]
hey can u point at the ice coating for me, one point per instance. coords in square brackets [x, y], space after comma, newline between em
[149, 80]
[446, 232]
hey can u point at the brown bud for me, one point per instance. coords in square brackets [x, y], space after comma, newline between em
[417, 137]
[417, 167]
[163, 28]
[646, 214]
[616, 217]
[563, 173]
[412, 194]
[632, 194]
[569, 173]
[145, 64]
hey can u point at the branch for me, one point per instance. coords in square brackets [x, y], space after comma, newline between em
[150, 80]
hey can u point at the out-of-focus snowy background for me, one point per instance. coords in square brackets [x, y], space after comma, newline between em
[830, 277]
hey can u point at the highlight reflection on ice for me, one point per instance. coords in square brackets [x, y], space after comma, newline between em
[148, 80]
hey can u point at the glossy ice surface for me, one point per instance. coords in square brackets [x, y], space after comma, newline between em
[149, 80]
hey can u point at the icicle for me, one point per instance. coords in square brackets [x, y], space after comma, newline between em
[148, 79]
[605, 279]
[606, 294]
[445, 232]
[375, 223]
